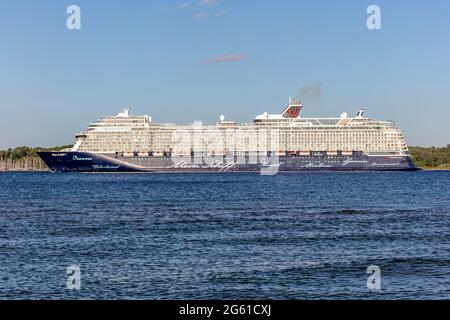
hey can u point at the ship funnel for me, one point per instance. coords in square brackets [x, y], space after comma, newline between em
[293, 110]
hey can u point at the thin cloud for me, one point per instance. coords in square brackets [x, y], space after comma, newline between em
[201, 15]
[226, 58]
[184, 5]
[208, 3]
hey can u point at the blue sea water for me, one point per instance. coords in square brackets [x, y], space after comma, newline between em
[225, 236]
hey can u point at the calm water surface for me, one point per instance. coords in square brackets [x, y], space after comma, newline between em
[225, 236]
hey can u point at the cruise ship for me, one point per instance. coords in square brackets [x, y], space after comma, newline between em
[272, 143]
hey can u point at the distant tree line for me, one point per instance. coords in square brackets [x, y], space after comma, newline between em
[24, 158]
[431, 157]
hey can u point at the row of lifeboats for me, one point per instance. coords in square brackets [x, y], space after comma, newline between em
[144, 154]
[330, 152]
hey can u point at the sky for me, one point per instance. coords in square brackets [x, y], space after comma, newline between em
[194, 60]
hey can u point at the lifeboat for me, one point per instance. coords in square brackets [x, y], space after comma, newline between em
[280, 153]
[220, 153]
[158, 154]
[305, 153]
[128, 154]
[347, 152]
[332, 152]
[181, 154]
[142, 154]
